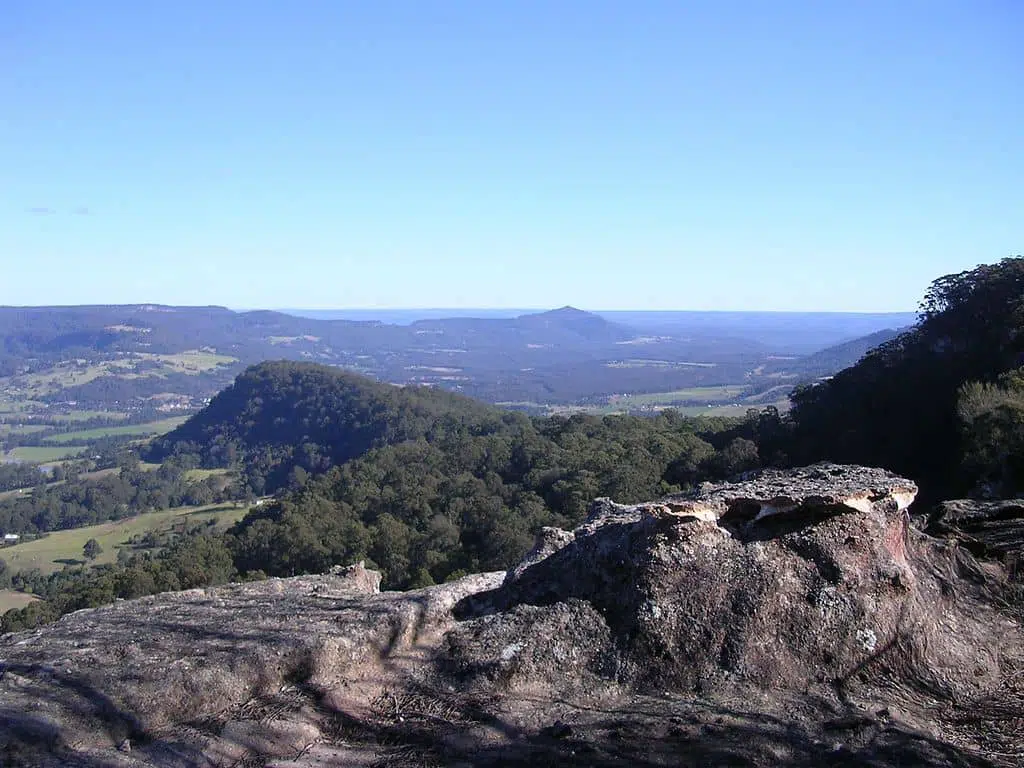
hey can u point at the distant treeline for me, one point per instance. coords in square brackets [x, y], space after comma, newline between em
[14, 475]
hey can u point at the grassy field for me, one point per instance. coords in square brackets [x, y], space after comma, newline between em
[73, 416]
[21, 429]
[702, 394]
[35, 454]
[77, 372]
[193, 361]
[10, 599]
[149, 428]
[68, 374]
[61, 548]
[202, 474]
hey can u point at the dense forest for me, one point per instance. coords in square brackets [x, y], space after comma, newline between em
[427, 485]
[424, 483]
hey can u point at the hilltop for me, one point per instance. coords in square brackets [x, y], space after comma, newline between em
[280, 415]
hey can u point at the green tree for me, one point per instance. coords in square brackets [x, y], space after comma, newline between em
[92, 549]
[992, 425]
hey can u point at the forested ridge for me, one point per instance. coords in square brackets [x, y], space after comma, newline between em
[426, 485]
[940, 403]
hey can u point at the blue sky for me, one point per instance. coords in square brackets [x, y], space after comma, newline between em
[776, 155]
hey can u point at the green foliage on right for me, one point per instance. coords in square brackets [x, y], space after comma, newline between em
[992, 428]
[904, 406]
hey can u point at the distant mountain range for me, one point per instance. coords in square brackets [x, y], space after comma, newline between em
[783, 332]
[101, 355]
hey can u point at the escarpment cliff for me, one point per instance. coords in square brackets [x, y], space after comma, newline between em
[795, 617]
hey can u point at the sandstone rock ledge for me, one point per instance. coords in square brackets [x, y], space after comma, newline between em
[794, 618]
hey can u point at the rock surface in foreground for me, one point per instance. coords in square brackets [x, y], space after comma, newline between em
[794, 618]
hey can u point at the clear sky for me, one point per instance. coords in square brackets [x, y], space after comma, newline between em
[754, 154]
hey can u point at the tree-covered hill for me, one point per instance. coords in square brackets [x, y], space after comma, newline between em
[279, 417]
[938, 403]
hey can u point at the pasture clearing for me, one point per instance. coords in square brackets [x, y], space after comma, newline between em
[127, 430]
[52, 552]
[192, 361]
[73, 416]
[11, 599]
[73, 373]
[704, 395]
[41, 454]
[203, 474]
[21, 429]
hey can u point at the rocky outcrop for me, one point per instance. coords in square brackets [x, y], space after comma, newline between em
[994, 528]
[778, 581]
[791, 618]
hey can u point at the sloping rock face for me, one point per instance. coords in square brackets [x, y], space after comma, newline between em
[792, 618]
[985, 527]
[211, 676]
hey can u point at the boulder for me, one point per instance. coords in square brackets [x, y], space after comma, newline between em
[781, 581]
